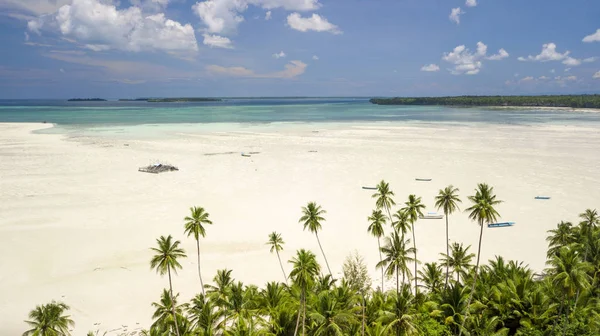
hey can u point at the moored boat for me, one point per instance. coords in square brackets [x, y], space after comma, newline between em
[432, 215]
[542, 197]
[370, 188]
[503, 224]
[423, 179]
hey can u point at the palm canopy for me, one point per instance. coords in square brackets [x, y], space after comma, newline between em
[569, 272]
[377, 220]
[312, 216]
[194, 224]
[447, 199]
[459, 259]
[413, 208]
[563, 235]
[275, 241]
[166, 256]
[484, 202]
[397, 255]
[590, 218]
[305, 268]
[49, 320]
[401, 224]
[384, 196]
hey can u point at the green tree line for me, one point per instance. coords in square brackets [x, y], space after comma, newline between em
[456, 295]
[574, 101]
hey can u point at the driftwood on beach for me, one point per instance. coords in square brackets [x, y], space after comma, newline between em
[158, 168]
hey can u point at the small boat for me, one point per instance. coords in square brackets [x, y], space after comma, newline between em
[432, 215]
[423, 179]
[370, 188]
[245, 155]
[503, 224]
[542, 197]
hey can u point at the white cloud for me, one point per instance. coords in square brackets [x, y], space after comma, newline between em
[527, 79]
[567, 69]
[548, 53]
[471, 3]
[467, 62]
[97, 47]
[278, 55]
[292, 69]
[268, 15]
[571, 78]
[315, 22]
[217, 41]
[595, 37]
[33, 7]
[502, 54]
[590, 59]
[543, 78]
[62, 70]
[552, 71]
[315, 57]
[430, 68]
[455, 15]
[571, 61]
[26, 37]
[596, 75]
[95, 23]
[516, 75]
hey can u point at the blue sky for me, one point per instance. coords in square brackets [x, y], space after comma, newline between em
[132, 48]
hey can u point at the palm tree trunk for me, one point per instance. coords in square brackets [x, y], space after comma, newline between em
[321, 247]
[304, 314]
[172, 302]
[298, 318]
[447, 255]
[415, 247]
[199, 272]
[280, 264]
[566, 318]
[474, 279]
[397, 283]
[380, 260]
[363, 315]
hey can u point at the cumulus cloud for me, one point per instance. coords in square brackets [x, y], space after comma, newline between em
[467, 62]
[571, 61]
[33, 7]
[292, 69]
[315, 57]
[268, 15]
[548, 53]
[278, 55]
[595, 37]
[596, 75]
[455, 15]
[26, 37]
[527, 79]
[471, 3]
[543, 78]
[590, 59]
[315, 23]
[99, 26]
[502, 54]
[430, 68]
[567, 69]
[216, 41]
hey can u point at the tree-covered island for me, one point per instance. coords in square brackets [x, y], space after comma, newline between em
[571, 101]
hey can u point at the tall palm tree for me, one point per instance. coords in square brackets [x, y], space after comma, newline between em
[194, 225]
[414, 209]
[402, 223]
[396, 257]
[563, 235]
[384, 198]
[164, 260]
[305, 270]
[163, 316]
[377, 220]
[276, 243]
[459, 259]
[49, 320]
[448, 200]
[312, 216]
[482, 211]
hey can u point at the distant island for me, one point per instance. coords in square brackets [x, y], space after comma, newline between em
[173, 100]
[85, 99]
[572, 101]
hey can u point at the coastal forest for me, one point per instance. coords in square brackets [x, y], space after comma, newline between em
[459, 294]
[572, 101]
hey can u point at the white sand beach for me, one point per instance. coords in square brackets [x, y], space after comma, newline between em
[77, 219]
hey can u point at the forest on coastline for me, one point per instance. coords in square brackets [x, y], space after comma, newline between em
[572, 101]
[456, 295]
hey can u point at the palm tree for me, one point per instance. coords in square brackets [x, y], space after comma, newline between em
[400, 313]
[448, 200]
[459, 259]
[396, 258]
[203, 315]
[431, 276]
[276, 243]
[402, 224]
[303, 275]
[413, 209]
[384, 198]
[330, 316]
[482, 211]
[312, 216]
[163, 313]
[563, 235]
[194, 225]
[164, 260]
[49, 320]
[377, 220]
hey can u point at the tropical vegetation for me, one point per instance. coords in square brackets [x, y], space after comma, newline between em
[574, 101]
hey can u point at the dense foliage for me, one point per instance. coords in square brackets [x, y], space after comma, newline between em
[574, 101]
[497, 298]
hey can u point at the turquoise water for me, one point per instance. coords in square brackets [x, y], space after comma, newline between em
[264, 111]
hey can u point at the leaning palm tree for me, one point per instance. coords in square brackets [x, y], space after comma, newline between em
[164, 260]
[448, 200]
[377, 220]
[413, 209]
[482, 211]
[276, 243]
[194, 225]
[312, 216]
[305, 270]
[397, 257]
[49, 320]
[384, 198]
